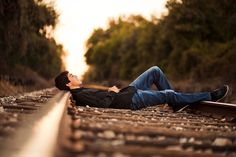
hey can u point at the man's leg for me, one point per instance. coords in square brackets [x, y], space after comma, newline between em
[153, 75]
[151, 97]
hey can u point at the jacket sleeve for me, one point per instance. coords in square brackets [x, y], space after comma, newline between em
[90, 99]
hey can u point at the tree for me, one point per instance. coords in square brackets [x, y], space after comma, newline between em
[24, 37]
[196, 39]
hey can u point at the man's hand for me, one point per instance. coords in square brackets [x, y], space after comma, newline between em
[113, 89]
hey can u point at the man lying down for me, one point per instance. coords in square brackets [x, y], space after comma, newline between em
[138, 94]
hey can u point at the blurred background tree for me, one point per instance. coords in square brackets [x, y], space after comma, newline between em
[25, 39]
[196, 40]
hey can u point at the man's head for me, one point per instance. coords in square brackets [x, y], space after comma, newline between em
[67, 81]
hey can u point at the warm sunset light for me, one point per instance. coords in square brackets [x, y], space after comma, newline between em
[79, 18]
[126, 78]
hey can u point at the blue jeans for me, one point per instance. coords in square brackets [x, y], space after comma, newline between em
[145, 97]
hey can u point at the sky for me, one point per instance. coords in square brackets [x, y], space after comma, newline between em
[78, 19]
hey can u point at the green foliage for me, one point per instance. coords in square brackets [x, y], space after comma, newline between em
[196, 39]
[25, 38]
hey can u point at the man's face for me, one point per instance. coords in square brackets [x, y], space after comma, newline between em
[74, 80]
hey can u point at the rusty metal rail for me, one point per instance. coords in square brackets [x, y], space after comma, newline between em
[217, 110]
[38, 134]
[15, 109]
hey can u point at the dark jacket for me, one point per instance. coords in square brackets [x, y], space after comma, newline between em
[103, 98]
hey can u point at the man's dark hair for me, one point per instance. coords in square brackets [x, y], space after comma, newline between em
[61, 80]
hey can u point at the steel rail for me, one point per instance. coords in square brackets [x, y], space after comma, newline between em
[222, 104]
[39, 134]
[217, 109]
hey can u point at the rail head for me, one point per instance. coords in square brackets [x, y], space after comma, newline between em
[219, 104]
[217, 109]
[38, 135]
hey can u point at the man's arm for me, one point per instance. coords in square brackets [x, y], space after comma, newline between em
[114, 88]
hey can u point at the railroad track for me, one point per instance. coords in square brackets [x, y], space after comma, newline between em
[30, 123]
[206, 129]
[14, 109]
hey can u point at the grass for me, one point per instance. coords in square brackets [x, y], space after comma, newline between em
[7, 89]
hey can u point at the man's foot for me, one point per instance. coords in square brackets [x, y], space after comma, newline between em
[219, 93]
[179, 107]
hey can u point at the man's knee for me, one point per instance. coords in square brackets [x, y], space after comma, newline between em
[156, 69]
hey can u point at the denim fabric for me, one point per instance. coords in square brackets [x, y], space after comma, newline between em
[145, 97]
